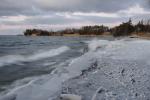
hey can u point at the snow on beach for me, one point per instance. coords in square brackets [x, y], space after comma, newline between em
[122, 72]
[119, 69]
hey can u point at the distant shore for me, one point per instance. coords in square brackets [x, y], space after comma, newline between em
[137, 35]
[141, 29]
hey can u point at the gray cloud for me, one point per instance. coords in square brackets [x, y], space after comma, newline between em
[17, 15]
[33, 7]
[85, 5]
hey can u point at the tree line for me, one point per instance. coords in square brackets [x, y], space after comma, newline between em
[128, 28]
[124, 29]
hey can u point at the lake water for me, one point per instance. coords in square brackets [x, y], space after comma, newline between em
[22, 57]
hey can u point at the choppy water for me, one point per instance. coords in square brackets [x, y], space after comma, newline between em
[22, 57]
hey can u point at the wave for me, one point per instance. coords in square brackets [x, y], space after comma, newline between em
[96, 44]
[12, 59]
[48, 86]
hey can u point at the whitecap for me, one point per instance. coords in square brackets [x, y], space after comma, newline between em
[95, 44]
[12, 59]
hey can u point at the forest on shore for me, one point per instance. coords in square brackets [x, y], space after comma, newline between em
[124, 29]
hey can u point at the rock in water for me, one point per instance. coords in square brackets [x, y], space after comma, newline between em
[70, 97]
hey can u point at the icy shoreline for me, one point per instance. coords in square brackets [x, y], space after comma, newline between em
[122, 75]
[120, 69]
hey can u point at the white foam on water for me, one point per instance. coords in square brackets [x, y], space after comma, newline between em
[49, 63]
[12, 59]
[46, 87]
[47, 54]
[95, 44]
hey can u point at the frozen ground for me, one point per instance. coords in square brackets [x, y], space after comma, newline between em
[121, 71]
[117, 80]
[110, 70]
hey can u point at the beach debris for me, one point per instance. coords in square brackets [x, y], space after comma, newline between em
[101, 90]
[70, 97]
[122, 72]
[133, 81]
[91, 68]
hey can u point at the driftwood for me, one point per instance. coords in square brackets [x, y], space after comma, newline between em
[70, 97]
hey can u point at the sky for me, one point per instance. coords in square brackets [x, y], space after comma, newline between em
[18, 15]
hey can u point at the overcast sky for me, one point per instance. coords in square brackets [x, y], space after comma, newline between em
[18, 15]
